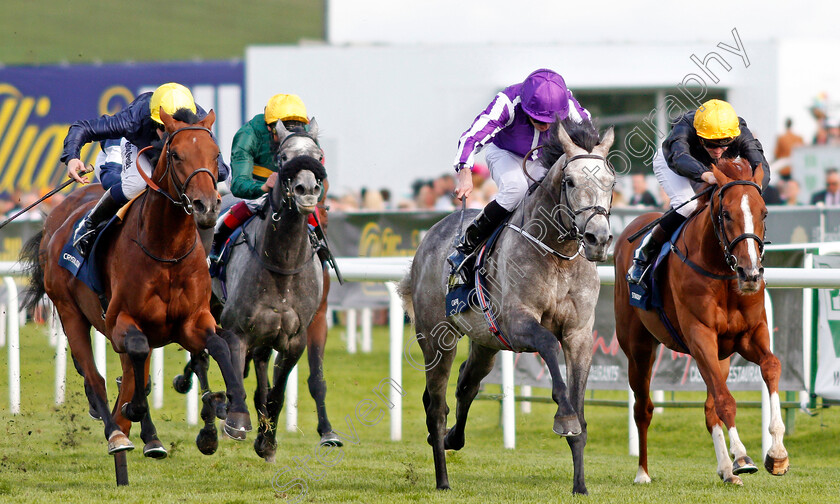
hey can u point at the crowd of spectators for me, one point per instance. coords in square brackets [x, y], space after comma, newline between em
[11, 202]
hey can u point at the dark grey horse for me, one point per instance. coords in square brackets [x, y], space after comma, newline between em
[542, 292]
[274, 286]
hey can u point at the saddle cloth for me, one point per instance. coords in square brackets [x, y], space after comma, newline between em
[88, 270]
[648, 294]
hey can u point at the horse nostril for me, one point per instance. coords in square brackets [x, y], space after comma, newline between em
[300, 190]
[590, 238]
[199, 206]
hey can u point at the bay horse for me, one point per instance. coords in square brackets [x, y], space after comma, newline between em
[543, 292]
[713, 311]
[155, 279]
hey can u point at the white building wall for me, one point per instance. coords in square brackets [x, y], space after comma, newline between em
[389, 115]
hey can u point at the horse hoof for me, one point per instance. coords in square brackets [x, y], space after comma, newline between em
[568, 426]
[237, 425]
[94, 414]
[118, 442]
[265, 448]
[451, 442]
[217, 401]
[744, 465]
[207, 440]
[181, 384]
[734, 480]
[331, 439]
[154, 449]
[132, 413]
[776, 467]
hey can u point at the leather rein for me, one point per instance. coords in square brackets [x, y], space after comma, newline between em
[183, 200]
[571, 232]
[720, 233]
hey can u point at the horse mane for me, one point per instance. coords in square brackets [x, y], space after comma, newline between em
[736, 169]
[583, 134]
[184, 115]
[297, 164]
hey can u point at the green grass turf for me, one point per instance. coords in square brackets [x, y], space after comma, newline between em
[56, 454]
[84, 31]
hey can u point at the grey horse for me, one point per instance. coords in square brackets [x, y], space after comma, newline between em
[541, 290]
[273, 288]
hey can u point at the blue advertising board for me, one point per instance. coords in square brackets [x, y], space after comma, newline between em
[38, 104]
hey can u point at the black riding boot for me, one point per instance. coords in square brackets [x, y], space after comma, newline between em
[476, 233]
[651, 244]
[85, 233]
[219, 239]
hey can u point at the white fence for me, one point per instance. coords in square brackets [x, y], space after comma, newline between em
[389, 271]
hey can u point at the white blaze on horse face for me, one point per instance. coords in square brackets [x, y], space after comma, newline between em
[749, 228]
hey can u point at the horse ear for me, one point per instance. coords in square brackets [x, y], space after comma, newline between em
[605, 144]
[565, 141]
[209, 119]
[168, 122]
[313, 127]
[758, 175]
[719, 176]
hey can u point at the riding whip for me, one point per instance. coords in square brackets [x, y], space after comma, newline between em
[654, 222]
[44, 197]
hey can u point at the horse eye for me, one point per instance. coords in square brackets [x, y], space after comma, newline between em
[726, 215]
[570, 183]
[175, 156]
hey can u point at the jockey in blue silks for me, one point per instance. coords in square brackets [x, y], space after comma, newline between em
[515, 122]
[139, 124]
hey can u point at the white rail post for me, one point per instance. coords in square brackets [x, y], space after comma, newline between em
[157, 378]
[632, 432]
[658, 398]
[99, 354]
[396, 317]
[526, 405]
[807, 330]
[292, 400]
[766, 439]
[367, 323]
[508, 401]
[60, 357]
[351, 331]
[3, 319]
[13, 320]
[192, 398]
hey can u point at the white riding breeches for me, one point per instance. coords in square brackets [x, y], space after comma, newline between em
[132, 182]
[506, 170]
[677, 187]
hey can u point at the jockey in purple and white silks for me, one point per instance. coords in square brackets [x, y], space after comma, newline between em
[515, 122]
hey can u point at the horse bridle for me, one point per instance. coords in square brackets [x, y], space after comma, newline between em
[573, 232]
[183, 200]
[720, 230]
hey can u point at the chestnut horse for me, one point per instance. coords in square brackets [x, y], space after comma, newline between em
[155, 278]
[714, 312]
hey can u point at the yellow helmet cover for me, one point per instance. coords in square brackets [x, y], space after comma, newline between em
[285, 107]
[716, 119]
[171, 97]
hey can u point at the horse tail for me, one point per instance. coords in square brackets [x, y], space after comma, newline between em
[404, 290]
[30, 260]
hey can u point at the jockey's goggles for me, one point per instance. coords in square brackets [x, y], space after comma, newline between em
[717, 143]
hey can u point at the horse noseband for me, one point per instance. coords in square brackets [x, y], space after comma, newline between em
[720, 230]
